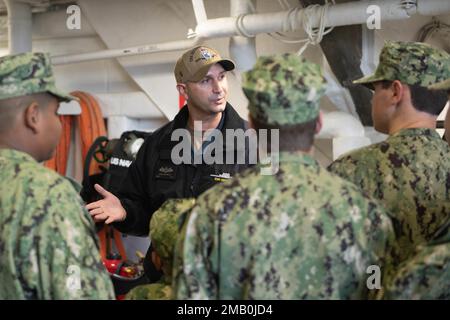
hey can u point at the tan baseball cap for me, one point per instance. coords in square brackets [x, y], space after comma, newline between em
[195, 63]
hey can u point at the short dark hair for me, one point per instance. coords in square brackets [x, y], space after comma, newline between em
[298, 137]
[10, 107]
[423, 99]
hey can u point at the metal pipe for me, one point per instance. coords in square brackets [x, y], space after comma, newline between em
[337, 15]
[19, 26]
[242, 49]
[115, 53]
[199, 11]
[341, 14]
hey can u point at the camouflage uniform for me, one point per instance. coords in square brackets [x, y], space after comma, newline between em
[410, 171]
[302, 233]
[161, 290]
[427, 274]
[412, 63]
[164, 230]
[47, 239]
[28, 73]
[48, 245]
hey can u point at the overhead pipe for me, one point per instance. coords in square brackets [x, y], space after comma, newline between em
[199, 11]
[341, 14]
[115, 53]
[19, 26]
[242, 49]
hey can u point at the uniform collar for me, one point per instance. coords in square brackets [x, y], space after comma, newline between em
[412, 132]
[297, 157]
[230, 119]
[12, 154]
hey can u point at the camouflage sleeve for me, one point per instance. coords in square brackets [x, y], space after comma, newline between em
[363, 170]
[343, 168]
[154, 291]
[64, 261]
[426, 276]
[194, 276]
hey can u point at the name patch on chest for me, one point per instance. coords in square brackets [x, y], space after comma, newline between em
[166, 172]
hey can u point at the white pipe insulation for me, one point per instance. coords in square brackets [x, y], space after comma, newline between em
[115, 53]
[341, 14]
[346, 131]
[19, 26]
[340, 124]
[242, 49]
[199, 11]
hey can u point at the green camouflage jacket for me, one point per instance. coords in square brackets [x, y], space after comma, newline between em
[427, 274]
[410, 174]
[302, 233]
[48, 245]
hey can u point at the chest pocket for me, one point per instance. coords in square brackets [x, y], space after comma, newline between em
[165, 169]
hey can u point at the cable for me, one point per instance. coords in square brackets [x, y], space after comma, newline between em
[316, 35]
[285, 39]
[240, 27]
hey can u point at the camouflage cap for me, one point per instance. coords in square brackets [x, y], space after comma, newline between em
[164, 228]
[28, 73]
[284, 89]
[444, 85]
[194, 64]
[412, 63]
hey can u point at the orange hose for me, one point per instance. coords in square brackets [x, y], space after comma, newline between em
[91, 126]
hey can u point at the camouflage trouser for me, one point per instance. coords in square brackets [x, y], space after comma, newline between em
[154, 291]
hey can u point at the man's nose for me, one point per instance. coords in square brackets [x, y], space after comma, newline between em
[217, 87]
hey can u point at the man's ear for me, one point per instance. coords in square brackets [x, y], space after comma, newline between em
[32, 117]
[398, 92]
[182, 90]
[319, 122]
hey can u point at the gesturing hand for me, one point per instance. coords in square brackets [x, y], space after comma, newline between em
[109, 209]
